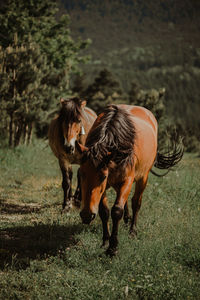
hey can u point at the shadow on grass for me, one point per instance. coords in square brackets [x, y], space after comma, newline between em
[11, 208]
[20, 244]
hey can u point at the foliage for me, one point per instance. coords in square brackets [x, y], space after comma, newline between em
[48, 255]
[104, 90]
[37, 66]
[152, 100]
[163, 11]
[155, 44]
[38, 19]
[23, 74]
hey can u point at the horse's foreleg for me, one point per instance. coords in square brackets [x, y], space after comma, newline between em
[136, 202]
[104, 215]
[127, 216]
[77, 194]
[117, 214]
[66, 185]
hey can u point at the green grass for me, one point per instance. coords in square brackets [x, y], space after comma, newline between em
[48, 255]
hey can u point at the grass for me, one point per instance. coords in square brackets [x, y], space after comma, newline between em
[48, 255]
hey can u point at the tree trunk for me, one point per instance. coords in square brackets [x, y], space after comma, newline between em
[18, 132]
[30, 128]
[11, 130]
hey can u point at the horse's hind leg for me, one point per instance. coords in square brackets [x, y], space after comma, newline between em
[66, 185]
[136, 202]
[77, 194]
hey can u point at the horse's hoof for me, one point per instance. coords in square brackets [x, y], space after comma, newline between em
[127, 220]
[76, 202]
[111, 252]
[65, 210]
[104, 244]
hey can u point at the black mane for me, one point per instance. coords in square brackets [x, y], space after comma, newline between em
[112, 139]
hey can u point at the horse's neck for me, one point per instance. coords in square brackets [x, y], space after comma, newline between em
[86, 123]
[85, 115]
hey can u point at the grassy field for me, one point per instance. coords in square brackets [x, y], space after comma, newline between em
[48, 255]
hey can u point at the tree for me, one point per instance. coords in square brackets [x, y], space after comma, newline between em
[22, 88]
[38, 19]
[154, 101]
[151, 99]
[104, 90]
[37, 66]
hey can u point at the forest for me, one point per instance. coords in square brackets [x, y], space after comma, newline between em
[107, 52]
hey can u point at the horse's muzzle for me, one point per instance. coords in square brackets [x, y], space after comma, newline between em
[87, 218]
[69, 149]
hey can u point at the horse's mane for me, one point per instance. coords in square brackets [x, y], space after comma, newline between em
[114, 134]
[70, 111]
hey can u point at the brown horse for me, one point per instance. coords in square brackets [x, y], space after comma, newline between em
[121, 148]
[71, 124]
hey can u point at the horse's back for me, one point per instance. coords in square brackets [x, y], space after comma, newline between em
[145, 147]
[141, 113]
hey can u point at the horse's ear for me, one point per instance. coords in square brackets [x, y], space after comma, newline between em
[81, 149]
[83, 103]
[62, 100]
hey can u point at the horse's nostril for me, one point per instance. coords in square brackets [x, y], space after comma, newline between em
[69, 149]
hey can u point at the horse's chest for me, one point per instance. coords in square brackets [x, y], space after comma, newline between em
[72, 158]
[116, 177]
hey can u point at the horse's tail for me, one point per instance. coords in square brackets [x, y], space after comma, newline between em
[167, 160]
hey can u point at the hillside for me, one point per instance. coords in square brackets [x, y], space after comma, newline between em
[136, 33]
[154, 43]
[120, 24]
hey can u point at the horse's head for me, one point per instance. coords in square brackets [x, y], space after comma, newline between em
[71, 121]
[93, 185]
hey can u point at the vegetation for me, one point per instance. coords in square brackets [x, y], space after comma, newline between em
[155, 44]
[37, 58]
[48, 255]
[135, 45]
[104, 90]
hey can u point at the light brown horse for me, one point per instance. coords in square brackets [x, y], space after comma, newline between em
[71, 124]
[121, 148]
